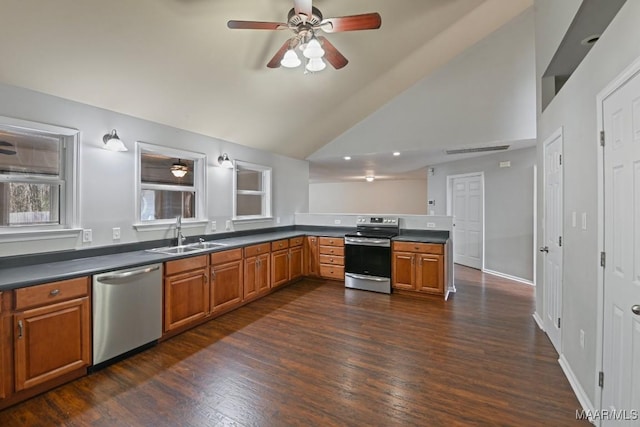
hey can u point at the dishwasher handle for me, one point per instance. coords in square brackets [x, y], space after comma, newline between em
[127, 274]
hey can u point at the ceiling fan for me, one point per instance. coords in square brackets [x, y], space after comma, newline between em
[5, 150]
[306, 21]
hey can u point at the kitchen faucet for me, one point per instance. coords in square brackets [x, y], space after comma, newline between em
[179, 230]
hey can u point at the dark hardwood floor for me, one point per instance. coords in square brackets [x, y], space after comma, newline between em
[315, 353]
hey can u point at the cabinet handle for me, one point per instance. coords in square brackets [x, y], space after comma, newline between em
[213, 274]
[54, 292]
[20, 329]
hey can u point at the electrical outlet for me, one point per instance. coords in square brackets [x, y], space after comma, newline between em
[115, 233]
[584, 220]
[87, 235]
[573, 219]
[277, 220]
[228, 225]
[431, 225]
[581, 338]
[213, 226]
[337, 221]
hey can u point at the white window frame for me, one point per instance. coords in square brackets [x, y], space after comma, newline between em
[199, 186]
[69, 201]
[265, 192]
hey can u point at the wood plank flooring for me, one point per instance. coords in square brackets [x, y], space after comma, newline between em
[315, 353]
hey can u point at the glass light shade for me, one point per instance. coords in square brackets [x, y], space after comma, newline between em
[290, 59]
[179, 169]
[369, 178]
[313, 50]
[316, 64]
[112, 142]
[225, 162]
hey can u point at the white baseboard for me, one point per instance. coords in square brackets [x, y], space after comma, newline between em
[539, 321]
[508, 276]
[587, 406]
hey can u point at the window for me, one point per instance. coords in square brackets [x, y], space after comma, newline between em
[37, 170]
[164, 195]
[252, 190]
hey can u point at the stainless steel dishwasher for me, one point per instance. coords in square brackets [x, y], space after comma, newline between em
[127, 312]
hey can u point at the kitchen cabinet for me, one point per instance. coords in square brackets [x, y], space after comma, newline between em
[296, 258]
[227, 271]
[186, 292]
[312, 264]
[279, 263]
[331, 257]
[418, 267]
[5, 345]
[52, 331]
[257, 270]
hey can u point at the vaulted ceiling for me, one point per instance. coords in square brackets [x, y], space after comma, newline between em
[175, 61]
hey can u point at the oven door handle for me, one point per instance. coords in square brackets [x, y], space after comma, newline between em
[363, 277]
[370, 241]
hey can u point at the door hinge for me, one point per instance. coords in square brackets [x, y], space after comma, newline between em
[560, 159]
[603, 259]
[559, 240]
[558, 323]
[602, 138]
[601, 379]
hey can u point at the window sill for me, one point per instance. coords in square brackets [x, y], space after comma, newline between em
[164, 225]
[253, 219]
[29, 235]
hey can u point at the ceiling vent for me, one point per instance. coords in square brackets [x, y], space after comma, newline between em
[477, 149]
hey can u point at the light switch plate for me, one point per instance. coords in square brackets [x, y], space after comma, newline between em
[87, 235]
[573, 219]
[337, 221]
[584, 220]
[431, 225]
[213, 226]
[116, 233]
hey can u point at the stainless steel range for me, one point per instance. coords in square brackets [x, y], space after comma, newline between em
[367, 260]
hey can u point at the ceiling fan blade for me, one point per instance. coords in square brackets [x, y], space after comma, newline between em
[303, 7]
[6, 144]
[366, 21]
[332, 55]
[275, 61]
[7, 152]
[256, 25]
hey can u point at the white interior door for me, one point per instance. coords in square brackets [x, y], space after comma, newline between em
[552, 248]
[467, 206]
[621, 353]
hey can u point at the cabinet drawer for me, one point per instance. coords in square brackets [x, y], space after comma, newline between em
[226, 256]
[330, 259]
[51, 292]
[185, 264]
[331, 241]
[425, 248]
[331, 250]
[255, 250]
[332, 271]
[279, 244]
[296, 241]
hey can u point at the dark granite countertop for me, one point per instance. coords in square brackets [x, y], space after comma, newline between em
[420, 236]
[22, 275]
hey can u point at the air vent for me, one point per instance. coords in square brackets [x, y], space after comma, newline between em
[477, 149]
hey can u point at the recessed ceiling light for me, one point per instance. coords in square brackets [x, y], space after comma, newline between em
[369, 178]
[396, 153]
[347, 157]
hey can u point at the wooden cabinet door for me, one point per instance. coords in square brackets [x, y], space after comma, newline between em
[403, 271]
[430, 273]
[186, 298]
[51, 341]
[263, 278]
[312, 257]
[279, 268]
[251, 277]
[296, 262]
[226, 285]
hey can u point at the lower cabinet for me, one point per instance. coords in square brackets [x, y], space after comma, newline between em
[296, 258]
[331, 257]
[312, 267]
[186, 292]
[279, 267]
[418, 267]
[226, 279]
[257, 270]
[287, 261]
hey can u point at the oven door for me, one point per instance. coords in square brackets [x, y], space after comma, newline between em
[367, 257]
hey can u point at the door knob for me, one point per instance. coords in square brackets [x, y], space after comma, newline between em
[544, 249]
[636, 309]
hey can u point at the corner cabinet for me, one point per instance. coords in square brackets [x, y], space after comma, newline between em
[418, 267]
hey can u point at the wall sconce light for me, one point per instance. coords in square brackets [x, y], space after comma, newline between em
[369, 178]
[225, 162]
[112, 142]
[179, 169]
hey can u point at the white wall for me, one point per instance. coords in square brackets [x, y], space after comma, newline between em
[508, 207]
[407, 222]
[107, 193]
[484, 95]
[381, 197]
[574, 109]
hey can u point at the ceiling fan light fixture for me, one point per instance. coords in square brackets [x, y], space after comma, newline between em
[112, 142]
[313, 49]
[290, 59]
[179, 169]
[316, 64]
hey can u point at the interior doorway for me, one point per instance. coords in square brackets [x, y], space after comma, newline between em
[465, 202]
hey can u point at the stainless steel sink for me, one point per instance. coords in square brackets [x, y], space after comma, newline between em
[185, 249]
